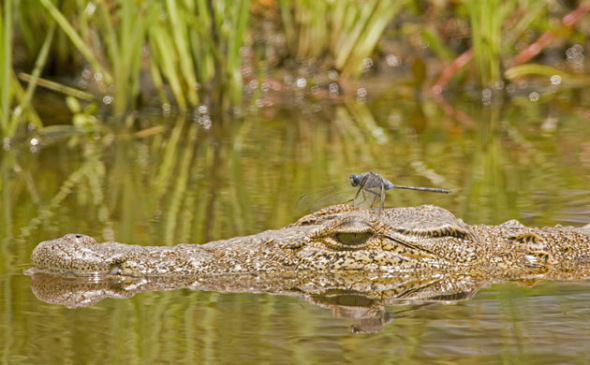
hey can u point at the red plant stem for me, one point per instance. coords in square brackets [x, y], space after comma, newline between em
[524, 56]
[457, 64]
[436, 89]
[449, 110]
[535, 48]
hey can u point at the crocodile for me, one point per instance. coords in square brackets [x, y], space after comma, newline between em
[339, 238]
[399, 255]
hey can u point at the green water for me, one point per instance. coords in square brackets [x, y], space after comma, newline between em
[189, 183]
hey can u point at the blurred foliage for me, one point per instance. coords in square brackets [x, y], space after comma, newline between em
[193, 53]
[346, 32]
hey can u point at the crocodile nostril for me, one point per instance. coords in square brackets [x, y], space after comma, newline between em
[115, 269]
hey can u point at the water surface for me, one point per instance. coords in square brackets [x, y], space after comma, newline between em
[190, 182]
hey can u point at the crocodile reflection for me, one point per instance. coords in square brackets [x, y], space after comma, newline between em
[362, 298]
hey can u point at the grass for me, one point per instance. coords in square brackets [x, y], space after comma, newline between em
[342, 32]
[189, 52]
[15, 103]
[190, 49]
[486, 19]
[496, 26]
[6, 93]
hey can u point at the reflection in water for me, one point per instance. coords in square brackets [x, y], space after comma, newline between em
[360, 297]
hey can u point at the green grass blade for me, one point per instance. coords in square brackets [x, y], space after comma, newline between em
[6, 64]
[178, 29]
[371, 33]
[75, 38]
[35, 75]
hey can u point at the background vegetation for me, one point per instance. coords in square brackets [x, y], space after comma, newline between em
[121, 56]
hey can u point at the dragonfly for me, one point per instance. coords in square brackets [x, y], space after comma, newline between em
[371, 187]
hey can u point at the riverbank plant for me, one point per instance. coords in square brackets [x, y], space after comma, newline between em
[186, 54]
[188, 48]
[344, 33]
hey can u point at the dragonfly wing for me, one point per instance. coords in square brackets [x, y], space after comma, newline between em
[341, 194]
[366, 198]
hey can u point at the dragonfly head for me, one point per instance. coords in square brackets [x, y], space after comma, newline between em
[355, 180]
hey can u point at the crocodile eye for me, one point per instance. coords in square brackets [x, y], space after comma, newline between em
[349, 235]
[352, 238]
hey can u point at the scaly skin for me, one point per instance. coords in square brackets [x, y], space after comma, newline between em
[425, 239]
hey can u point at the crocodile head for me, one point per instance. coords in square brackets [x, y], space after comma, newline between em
[333, 239]
[344, 237]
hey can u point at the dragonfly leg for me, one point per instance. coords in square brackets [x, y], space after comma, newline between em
[382, 199]
[374, 197]
[354, 201]
[357, 198]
